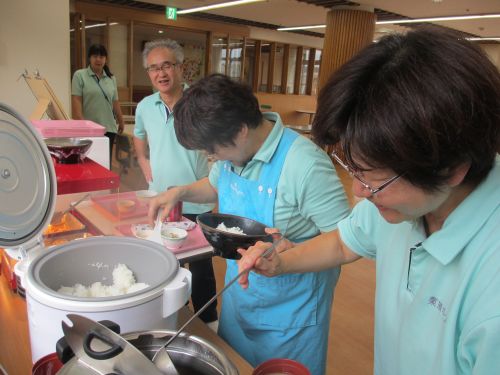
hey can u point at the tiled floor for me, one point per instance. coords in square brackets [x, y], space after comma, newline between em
[351, 332]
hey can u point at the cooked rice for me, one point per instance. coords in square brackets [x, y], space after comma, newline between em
[236, 230]
[123, 283]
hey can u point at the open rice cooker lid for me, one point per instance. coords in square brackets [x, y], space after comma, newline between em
[28, 186]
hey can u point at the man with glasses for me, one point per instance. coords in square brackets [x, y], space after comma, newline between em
[169, 163]
[417, 120]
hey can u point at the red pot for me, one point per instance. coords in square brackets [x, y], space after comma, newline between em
[277, 366]
[48, 365]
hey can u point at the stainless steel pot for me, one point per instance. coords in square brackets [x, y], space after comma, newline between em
[191, 355]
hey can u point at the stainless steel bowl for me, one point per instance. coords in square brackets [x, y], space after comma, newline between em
[68, 150]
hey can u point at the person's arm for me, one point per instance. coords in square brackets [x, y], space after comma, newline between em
[319, 253]
[119, 116]
[200, 191]
[76, 107]
[140, 146]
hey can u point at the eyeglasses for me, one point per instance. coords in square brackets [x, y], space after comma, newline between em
[165, 67]
[354, 174]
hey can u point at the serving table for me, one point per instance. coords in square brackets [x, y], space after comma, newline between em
[101, 222]
[15, 355]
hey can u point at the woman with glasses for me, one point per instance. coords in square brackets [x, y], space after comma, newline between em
[95, 95]
[415, 119]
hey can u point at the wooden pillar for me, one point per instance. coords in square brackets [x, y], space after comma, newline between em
[347, 32]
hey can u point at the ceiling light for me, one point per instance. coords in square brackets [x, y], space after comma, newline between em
[415, 20]
[216, 6]
[301, 27]
[437, 19]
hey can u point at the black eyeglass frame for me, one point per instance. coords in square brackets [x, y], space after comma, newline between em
[365, 184]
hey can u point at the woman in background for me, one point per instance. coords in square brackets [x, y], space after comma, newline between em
[95, 95]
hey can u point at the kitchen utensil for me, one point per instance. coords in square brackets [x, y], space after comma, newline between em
[281, 366]
[173, 238]
[225, 243]
[58, 217]
[192, 355]
[160, 358]
[94, 259]
[68, 150]
[86, 338]
[155, 235]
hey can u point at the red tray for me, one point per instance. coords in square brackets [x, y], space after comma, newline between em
[109, 204]
[195, 239]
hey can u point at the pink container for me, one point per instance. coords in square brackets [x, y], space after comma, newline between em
[48, 365]
[68, 128]
[278, 366]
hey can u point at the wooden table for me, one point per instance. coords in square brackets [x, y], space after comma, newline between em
[15, 352]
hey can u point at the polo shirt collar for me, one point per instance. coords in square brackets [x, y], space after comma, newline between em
[466, 220]
[272, 141]
[92, 74]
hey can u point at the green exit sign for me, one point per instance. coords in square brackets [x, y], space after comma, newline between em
[171, 13]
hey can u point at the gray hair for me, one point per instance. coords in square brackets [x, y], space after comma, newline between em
[163, 43]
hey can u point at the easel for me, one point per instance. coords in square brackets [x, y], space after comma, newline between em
[47, 99]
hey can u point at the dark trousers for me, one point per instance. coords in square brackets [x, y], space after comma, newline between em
[111, 137]
[203, 284]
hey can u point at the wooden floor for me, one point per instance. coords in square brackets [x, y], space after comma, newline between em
[350, 349]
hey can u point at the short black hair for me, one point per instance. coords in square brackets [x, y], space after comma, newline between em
[420, 104]
[213, 111]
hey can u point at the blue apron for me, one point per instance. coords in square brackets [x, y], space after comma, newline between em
[281, 317]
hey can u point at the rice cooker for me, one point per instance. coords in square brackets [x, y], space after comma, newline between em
[28, 194]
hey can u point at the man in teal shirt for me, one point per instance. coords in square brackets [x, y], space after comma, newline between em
[416, 122]
[169, 163]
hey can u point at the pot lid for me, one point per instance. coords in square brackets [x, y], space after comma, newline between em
[28, 186]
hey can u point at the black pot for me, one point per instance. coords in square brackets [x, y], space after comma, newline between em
[225, 243]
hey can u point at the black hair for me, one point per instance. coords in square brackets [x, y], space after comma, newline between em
[99, 50]
[420, 104]
[213, 111]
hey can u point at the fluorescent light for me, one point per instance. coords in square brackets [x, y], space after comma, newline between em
[415, 20]
[96, 25]
[437, 19]
[301, 27]
[216, 6]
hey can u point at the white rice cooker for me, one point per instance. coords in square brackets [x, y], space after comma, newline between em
[28, 193]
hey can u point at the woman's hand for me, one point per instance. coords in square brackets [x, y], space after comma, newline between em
[165, 202]
[252, 259]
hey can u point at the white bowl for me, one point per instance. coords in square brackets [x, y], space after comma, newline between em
[141, 230]
[173, 238]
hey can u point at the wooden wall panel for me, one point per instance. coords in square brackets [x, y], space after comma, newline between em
[347, 32]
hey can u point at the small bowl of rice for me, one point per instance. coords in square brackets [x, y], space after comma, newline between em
[228, 233]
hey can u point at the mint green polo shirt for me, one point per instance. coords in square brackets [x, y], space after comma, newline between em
[171, 163]
[438, 312]
[308, 188]
[96, 107]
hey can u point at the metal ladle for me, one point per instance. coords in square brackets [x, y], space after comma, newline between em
[161, 358]
[57, 218]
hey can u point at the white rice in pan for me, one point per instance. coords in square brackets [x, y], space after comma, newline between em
[123, 283]
[236, 230]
